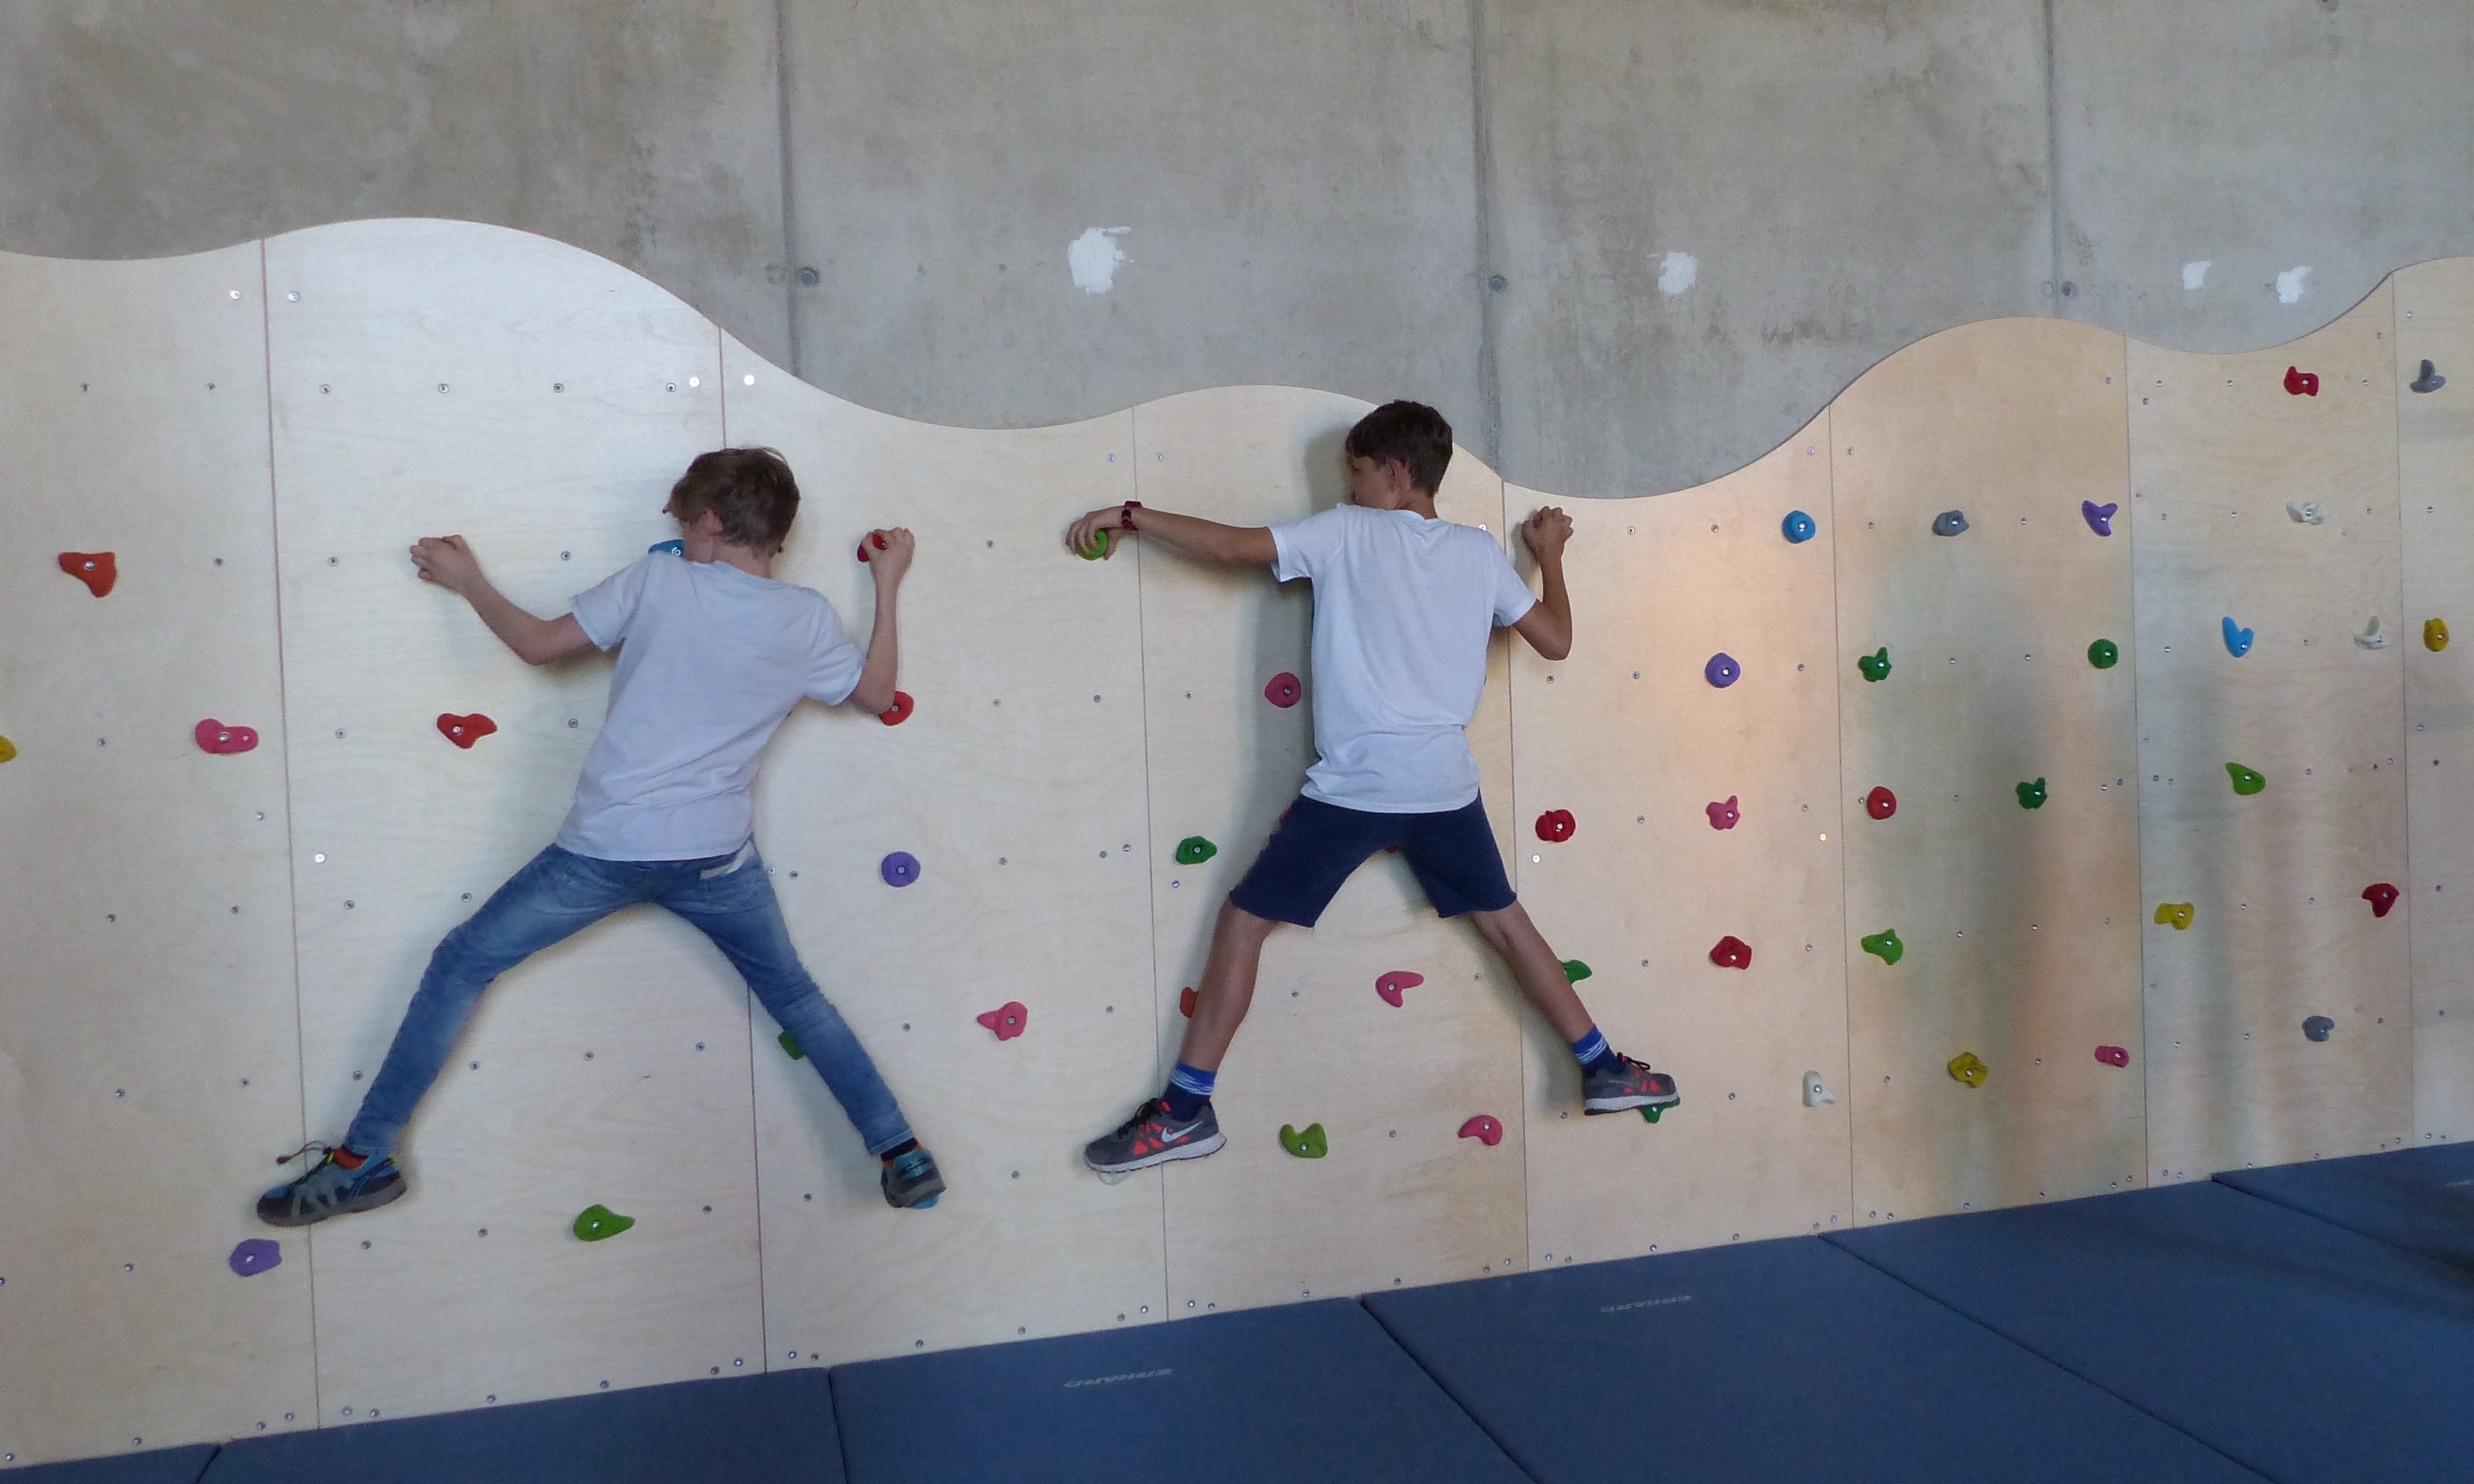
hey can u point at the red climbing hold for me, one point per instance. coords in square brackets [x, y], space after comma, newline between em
[2382, 896]
[465, 731]
[1485, 1128]
[95, 569]
[1284, 690]
[1391, 984]
[1723, 817]
[1186, 1002]
[2113, 1055]
[1880, 803]
[1556, 826]
[1006, 1019]
[875, 538]
[215, 737]
[2300, 382]
[1731, 953]
[899, 712]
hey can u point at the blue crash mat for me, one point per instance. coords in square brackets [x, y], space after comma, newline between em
[2421, 1200]
[1785, 1360]
[778, 1427]
[1297, 1393]
[2299, 1348]
[157, 1466]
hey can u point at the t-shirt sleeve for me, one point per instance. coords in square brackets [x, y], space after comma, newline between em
[834, 662]
[607, 610]
[1513, 599]
[1309, 547]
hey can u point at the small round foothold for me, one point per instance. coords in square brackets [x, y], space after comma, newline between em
[1097, 549]
[1950, 523]
[2318, 1028]
[874, 539]
[1875, 666]
[1008, 1020]
[1884, 945]
[2435, 634]
[1556, 826]
[1968, 1069]
[2105, 654]
[1722, 670]
[1114, 1176]
[1284, 690]
[1193, 850]
[899, 712]
[2032, 795]
[1725, 816]
[2177, 916]
[2247, 781]
[1731, 953]
[1880, 803]
[2383, 897]
[1798, 527]
[253, 1256]
[899, 869]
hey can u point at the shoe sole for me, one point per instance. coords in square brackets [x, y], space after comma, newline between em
[368, 1202]
[921, 1198]
[1595, 1106]
[1195, 1151]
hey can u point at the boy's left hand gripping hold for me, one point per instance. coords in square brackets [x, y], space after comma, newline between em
[1096, 534]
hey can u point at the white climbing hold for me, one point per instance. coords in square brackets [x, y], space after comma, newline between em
[2371, 637]
[2309, 511]
[1815, 1091]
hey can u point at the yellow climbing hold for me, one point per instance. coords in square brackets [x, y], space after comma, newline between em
[8, 750]
[2435, 634]
[2176, 915]
[1968, 1069]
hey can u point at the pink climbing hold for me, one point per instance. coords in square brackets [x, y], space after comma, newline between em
[1007, 1020]
[2113, 1055]
[1284, 690]
[1723, 817]
[2301, 383]
[1485, 1128]
[1731, 953]
[2382, 896]
[875, 537]
[215, 737]
[1391, 984]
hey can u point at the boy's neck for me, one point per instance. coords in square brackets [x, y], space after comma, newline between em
[747, 559]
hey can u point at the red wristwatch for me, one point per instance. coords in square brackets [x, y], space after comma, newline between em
[1125, 514]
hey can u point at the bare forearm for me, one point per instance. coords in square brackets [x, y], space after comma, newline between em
[874, 693]
[528, 636]
[1557, 600]
[1209, 541]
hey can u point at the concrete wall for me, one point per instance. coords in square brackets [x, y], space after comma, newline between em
[1469, 200]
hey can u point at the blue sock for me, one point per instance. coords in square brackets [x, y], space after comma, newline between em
[1188, 1089]
[1592, 1049]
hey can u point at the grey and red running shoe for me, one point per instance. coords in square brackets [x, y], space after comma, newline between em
[1153, 1137]
[1619, 1084]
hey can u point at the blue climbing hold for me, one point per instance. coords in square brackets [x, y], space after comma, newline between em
[253, 1256]
[1798, 526]
[899, 869]
[2099, 518]
[1722, 670]
[1950, 523]
[2238, 639]
[673, 548]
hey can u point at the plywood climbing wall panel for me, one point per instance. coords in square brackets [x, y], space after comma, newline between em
[435, 379]
[1630, 735]
[1016, 784]
[2279, 931]
[1399, 1199]
[2016, 923]
[146, 1009]
[2434, 323]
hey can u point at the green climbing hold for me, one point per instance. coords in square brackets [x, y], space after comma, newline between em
[1574, 971]
[2105, 654]
[1874, 664]
[1193, 850]
[790, 1044]
[1308, 1143]
[1097, 549]
[1650, 1113]
[2247, 781]
[599, 1223]
[1886, 945]
[2032, 795]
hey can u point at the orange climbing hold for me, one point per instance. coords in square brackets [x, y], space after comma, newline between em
[214, 735]
[97, 569]
[1007, 1020]
[465, 731]
[1391, 984]
[1731, 953]
[899, 712]
[1556, 826]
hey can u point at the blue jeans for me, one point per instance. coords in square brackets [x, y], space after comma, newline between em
[558, 895]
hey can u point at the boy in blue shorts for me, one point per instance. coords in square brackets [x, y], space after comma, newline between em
[1405, 605]
[712, 653]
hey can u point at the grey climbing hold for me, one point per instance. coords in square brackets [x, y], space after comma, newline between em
[1950, 523]
[2430, 380]
[2318, 1027]
[2309, 511]
[1815, 1091]
[2371, 637]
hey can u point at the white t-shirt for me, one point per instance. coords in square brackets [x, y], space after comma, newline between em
[1404, 608]
[711, 659]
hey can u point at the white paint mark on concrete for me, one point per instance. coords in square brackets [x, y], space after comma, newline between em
[1677, 271]
[1094, 257]
[2291, 284]
[2194, 275]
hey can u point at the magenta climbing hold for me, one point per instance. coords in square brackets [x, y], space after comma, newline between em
[1722, 670]
[1724, 816]
[2301, 383]
[1556, 826]
[465, 731]
[2099, 518]
[1731, 953]
[1485, 1128]
[1007, 1020]
[1880, 803]
[215, 737]
[253, 1256]
[2113, 1055]
[875, 539]
[1284, 690]
[899, 869]
[1391, 984]
[2382, 896]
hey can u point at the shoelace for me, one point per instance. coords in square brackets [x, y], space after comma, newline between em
[323, 1149]
[1156, 1106]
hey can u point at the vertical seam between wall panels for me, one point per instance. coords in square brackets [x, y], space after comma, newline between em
[755, 1137]
[2405, 716]
[2137, 795]
[1151, 841]
[789, 221]
[283, 719]
[1489, 384]
[2053, 173]
[1838, 655]
[1512, 770]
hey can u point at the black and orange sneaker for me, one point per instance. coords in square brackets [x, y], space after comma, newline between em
[1153, 1137]
[1618, 1084]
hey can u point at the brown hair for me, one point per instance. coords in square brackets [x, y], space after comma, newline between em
[750, 489]
[1410, 431]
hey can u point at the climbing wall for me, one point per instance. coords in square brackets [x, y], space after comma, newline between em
[2435, 422]
[1702, 813]
[2250, 672]
[149, 1061]
[1993, 885]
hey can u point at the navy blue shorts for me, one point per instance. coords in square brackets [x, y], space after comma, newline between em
[1318, 845]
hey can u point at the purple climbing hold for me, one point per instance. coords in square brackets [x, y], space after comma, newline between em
[899, 869]
[1722, 670]
[255, 1256]
[2099, 518]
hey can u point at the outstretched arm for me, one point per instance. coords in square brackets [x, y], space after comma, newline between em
[1186, 535]
[449, 562]
[1548, 625]
[874, 693]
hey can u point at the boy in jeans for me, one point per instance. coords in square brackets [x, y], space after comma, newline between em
[1405, 604]
[712, 653]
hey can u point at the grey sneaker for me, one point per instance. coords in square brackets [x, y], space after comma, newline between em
[911, 1179]
[1153, 1137]
[329, 1189]
[1619, 1084]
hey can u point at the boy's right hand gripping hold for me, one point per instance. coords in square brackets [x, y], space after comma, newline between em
[1094, 536]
